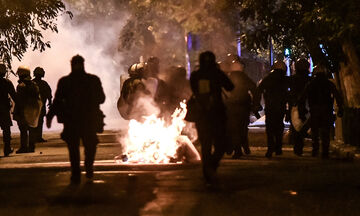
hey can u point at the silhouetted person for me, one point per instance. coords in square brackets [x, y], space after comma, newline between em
[239, 104]
[77, 105]
[274, 88]
[131, 91]
[27, 110]
[178, 86]
[161, 93]
[320, 93]
[207, 84]
[45, 94]
[298, 81]
[6, 89]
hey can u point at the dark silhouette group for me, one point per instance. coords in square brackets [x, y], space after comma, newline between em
[223, 97]
[76, 105]
[224, 127]
[28, 106]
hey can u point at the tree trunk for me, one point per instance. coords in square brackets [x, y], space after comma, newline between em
[349, 77]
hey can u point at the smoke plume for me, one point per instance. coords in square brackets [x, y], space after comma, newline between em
[94, 39]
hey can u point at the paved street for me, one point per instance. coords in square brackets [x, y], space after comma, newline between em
[38, 184]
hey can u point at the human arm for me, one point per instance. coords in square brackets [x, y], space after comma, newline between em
[55, 107]
[11, 90]
[226, 82]
[257, 96]
[98, 92]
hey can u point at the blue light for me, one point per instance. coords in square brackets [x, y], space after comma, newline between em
[239, 46]
[189, 41]
[287, 52]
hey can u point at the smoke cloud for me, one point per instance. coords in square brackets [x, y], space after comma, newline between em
[96, 40]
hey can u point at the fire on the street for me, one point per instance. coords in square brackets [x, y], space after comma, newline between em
[153, 141]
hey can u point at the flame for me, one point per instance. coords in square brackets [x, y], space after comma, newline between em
[152, 141]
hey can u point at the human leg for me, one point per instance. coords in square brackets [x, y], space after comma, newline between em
[73, 143]
[33, 135]
[315, 127]
[7, 139]
[24, 137]
[279, 134]
[39, 130]
[206, 143]
[90, 142]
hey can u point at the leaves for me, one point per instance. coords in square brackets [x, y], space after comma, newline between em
[21, 25]
[302, 24]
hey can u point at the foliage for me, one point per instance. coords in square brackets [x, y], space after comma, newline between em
[302, 25]
[22, 23]
[165, 23]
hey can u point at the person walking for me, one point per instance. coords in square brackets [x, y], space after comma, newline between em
[298, 81]
[239, 104]
[77, 105]
[45, 94]
[207, 84]
[6, 89]
[320, 94]
[274, 87]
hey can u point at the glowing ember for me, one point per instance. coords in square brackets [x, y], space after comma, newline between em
[152, 141]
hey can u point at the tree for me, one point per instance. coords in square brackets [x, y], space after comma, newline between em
[159, 28]
[328, 30]
[22, 23]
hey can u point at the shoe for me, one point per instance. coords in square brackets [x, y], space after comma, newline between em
[7, 152]
[31, 150]
[279, 152]
[42, 140]
[247, 151]
[89, 174]
[229, 151]
[21, 150]
[268, 154]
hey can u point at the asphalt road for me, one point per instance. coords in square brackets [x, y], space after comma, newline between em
[38, 184]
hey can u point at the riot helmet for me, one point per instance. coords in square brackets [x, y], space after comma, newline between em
[137, 70]
[39, 72]
[23, 72]
[302, 66]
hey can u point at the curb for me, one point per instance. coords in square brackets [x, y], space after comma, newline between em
[344, 151]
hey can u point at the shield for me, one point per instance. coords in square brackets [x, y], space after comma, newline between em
[32, 113]
[297, 123]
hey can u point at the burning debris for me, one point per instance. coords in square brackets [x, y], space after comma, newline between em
[154, 141]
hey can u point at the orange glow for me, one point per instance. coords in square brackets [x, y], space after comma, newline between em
[152, 141]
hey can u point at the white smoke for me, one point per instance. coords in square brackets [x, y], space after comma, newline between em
[96, 41]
